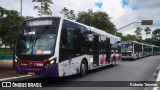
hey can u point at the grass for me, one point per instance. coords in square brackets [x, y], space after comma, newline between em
[8, 51]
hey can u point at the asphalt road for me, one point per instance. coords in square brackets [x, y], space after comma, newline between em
[136, 70]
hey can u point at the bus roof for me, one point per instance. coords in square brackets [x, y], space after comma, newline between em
[95, 30]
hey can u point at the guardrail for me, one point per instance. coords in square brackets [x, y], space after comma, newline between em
[6, 53]
[6, 57]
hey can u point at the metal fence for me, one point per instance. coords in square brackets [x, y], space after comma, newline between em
[5, 53]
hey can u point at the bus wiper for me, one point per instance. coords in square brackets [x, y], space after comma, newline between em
[35, 38]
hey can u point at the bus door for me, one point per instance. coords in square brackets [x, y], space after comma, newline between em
[138, 49]
[108, 50]
[96, 50]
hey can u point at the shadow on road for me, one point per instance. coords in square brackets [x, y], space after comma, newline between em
[59, 81]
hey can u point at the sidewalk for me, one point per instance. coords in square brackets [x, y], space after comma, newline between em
[6, 69]
[157, 77]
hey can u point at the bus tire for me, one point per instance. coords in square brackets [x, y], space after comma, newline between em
[113, 61]
[83, 68]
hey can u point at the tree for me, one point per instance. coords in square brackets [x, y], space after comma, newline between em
[129, 38]
[28, 17]
[147, 31]
[156, 37]
[138, 33]
[8, 18]
[68, 13]
[119, 34]
[44, 9]
[99, 19]
[149, 41]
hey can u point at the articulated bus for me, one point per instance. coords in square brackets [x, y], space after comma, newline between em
[155, 50]
[149, 53]
[131, 50]
[134, 50]
[158, 50]
[54, 46]
[145, 50]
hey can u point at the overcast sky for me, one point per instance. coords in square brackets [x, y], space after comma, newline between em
[122, 12]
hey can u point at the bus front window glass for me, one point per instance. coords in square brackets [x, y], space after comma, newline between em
[127, 48]
[37, 40]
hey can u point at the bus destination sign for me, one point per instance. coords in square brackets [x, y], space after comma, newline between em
[39, 22]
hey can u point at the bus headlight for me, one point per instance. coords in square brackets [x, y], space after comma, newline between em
[48, 63]
[17, 61]
[53, 61]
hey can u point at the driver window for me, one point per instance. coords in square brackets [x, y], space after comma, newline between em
[67, 40]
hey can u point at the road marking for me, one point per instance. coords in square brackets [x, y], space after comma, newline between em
[158, 79]
[4, 79]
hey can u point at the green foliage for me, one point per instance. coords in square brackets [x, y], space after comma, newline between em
[119, 34]
[5, 51]
[156, 37]
[8, 18]
[147, 31]
[44, 9]
[138, 33]
[68, 13]
[129, 38]
[98, 19]
[28, 17]
[149, 41]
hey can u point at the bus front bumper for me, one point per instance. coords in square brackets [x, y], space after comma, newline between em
[50, 71]
[128, 57]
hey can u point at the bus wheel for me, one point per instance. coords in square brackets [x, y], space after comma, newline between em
[113, 62]
[83, 68]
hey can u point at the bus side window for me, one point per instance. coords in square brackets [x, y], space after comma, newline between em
[119, 46]
[63, 39]
[70, 39]
[67, 39]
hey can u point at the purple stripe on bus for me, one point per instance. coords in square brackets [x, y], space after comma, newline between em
[51, 71]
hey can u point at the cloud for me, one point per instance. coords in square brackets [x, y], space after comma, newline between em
[122, 12]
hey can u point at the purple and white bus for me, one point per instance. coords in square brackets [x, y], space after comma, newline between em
[54, 46]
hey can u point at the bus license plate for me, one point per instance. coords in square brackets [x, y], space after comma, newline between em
[31, 73]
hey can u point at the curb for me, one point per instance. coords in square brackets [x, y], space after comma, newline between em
[158, 79]
[4, 79]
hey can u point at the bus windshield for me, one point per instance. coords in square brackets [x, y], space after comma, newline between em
[37, 40]
[127, 48]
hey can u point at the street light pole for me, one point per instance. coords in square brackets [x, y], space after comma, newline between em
[143, 22]
[21, 8]
[125, 26]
